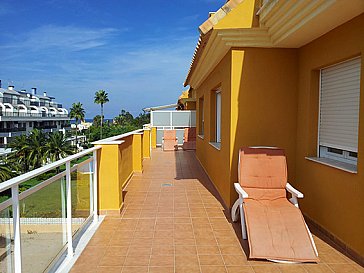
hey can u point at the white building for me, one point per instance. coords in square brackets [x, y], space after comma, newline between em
[22, 111]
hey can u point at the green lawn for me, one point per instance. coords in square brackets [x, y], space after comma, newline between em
[47, 201]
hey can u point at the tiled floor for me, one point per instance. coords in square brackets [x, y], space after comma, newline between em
[174, 222]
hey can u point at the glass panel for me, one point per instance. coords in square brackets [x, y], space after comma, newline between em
[193, 118]
[81, 181]
[179, 134]
[161, 118]
[159, 136]
[43, 226]
[6, 243]
[181, 118]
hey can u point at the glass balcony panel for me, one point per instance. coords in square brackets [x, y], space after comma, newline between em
[43, 226]
[81, 182]
[161, 118]
[181, 118]
[6, 240]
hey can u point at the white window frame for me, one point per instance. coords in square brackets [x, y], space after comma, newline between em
[324, 151]
[218, 116]
[202, 119]
[345, 156]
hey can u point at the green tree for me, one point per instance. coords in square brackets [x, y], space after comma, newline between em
[78, 113]
[5, 172]
[36, 148]
[124, 118]
[142, 119]
[96, 121]
[57, 147]
[20, 148]
[101, 97]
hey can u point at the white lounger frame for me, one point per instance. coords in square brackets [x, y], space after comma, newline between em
[243, 194]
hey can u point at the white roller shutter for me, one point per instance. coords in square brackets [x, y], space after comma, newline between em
[339, 105]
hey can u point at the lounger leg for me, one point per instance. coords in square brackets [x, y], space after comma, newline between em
[234, 211]
[242, 218]
[294, 201]
[313, 242]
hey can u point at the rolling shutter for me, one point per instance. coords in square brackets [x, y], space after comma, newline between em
[339, 105]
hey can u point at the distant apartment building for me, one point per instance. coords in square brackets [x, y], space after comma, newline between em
[22, 111]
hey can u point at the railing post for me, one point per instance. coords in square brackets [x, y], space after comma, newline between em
[137, 153]
[64, 215]
[91, 186]
[95, 184]
[69, 209]
[16, 228]
[154, 137]
[146, 143]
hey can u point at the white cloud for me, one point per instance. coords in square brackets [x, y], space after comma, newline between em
[71, 63]
[66, 38]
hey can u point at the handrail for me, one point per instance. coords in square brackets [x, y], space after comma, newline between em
[26, 176]
[109, 140]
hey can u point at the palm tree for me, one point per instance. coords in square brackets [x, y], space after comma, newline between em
[77, 112]
[101, 98]
[36, 148]
[5, 172]
[21, 148]
[57, 147]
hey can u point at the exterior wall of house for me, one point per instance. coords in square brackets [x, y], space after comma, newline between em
[190, 105]
[215, 161]
[263, 104]
[270, 97]
[259, 100]
[334, 199]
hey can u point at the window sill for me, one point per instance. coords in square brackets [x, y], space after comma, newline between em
[351, 168]
[201, 136]
[216, 145]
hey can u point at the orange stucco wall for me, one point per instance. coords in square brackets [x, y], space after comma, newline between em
[270, 97]
[333, 198]
[216, 162]
[263, 104]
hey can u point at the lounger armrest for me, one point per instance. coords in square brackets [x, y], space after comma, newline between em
[240, 190]
[293, 191]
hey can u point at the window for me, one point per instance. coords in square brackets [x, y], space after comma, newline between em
[201, 117]
[339, 111]
[215, 118]
[218, 116]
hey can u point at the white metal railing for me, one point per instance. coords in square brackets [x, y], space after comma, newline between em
[117, 139]
[16, 197]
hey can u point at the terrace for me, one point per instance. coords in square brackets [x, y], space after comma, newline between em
[173, 221]
[126, 206]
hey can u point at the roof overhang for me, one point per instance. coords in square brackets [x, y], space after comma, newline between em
[283, 24]
[154, 108]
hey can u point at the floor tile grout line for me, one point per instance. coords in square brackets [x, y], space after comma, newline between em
[206, 201]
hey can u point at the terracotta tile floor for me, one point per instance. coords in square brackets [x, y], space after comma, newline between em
[173, 222]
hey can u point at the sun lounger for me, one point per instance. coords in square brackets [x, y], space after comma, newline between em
[274, 226]
[169, 140]
[189, 139]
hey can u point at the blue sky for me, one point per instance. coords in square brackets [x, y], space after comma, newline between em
[138, 51]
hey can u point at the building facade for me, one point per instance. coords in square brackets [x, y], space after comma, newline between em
[22, 111]
[287, 74]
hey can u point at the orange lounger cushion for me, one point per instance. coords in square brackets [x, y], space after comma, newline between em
[170, 142]
[277, 231]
